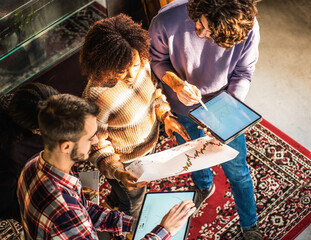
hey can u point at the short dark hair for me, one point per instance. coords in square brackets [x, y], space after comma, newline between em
[62, 118]
[23, 108]
[229, 21]
[109, 44]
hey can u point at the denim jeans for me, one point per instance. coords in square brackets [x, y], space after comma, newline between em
[235, 170]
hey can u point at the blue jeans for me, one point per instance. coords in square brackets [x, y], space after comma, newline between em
[235, 170]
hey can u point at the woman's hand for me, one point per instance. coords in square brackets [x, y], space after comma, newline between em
[172, 125]
[128, 179]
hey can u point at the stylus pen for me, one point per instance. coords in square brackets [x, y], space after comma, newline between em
[200, 100]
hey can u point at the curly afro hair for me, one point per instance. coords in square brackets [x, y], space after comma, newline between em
[109, 45]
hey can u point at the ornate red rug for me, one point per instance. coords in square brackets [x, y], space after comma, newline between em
[281, 170]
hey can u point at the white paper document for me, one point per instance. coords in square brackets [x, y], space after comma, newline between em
[188, 157]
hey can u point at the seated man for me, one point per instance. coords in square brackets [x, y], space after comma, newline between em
[49, 190]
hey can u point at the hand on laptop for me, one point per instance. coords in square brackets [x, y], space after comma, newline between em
[175, 219]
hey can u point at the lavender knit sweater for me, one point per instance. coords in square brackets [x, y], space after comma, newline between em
[176, 47]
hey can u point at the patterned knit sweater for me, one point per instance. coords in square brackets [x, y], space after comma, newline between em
[129, 118]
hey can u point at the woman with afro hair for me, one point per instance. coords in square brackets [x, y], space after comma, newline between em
[115, 58]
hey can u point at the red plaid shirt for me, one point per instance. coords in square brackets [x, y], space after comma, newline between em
[53, 206]
[158, 233]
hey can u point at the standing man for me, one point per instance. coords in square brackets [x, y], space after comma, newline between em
[49, 191]
[213, 45]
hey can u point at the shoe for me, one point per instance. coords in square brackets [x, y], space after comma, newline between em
[202, 195]
[252, 234]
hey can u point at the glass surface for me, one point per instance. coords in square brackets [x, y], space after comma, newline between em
[155, 206]
[46, 48]
[226, 116]
[8, 6]
[31, 18]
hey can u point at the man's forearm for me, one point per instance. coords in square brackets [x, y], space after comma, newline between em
[173, 81]
[108, 220]
[239, 89]
[158, 233]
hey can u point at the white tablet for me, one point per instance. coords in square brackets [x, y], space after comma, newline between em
[227, 117]
[155, 206]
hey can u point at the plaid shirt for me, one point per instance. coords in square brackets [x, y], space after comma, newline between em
[53, 206]
[158, 233]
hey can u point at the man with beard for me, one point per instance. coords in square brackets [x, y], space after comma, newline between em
[49, 190]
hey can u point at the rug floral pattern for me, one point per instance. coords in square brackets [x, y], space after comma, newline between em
[281, 177]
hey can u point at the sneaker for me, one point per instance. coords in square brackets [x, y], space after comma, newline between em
[202, 195]
[252, 234]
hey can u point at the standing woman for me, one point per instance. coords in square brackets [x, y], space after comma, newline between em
[115, 58]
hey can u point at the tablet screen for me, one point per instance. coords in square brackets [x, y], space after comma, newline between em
[227, 117]
[155, 206]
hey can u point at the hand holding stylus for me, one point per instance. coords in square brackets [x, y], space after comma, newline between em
[198, 97]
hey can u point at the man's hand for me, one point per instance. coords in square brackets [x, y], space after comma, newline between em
[128, 179]
[176, 218]
[172, 125]
[187, 94]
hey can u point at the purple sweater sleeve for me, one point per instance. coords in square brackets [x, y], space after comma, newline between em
[159, 51]
[159, 48]
[241, 77]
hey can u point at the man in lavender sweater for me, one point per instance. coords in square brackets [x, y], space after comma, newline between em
[213, 45]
